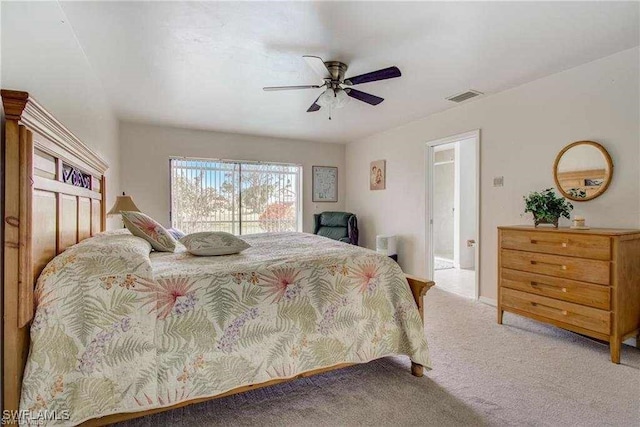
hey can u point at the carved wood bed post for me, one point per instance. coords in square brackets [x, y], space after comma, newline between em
[45, 211]
[18, 169]
[419, 288]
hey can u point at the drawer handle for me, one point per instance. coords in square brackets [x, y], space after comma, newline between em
[535, 242]
[563, 312]
[537, 285]
[562, 266]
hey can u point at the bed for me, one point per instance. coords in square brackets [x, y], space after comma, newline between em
[119, 331]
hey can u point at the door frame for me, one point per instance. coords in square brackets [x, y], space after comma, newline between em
[429, 160]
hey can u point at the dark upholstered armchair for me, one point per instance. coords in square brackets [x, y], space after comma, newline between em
[342, 226]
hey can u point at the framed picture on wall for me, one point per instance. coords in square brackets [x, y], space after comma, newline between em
[325, 183]
[377, 175]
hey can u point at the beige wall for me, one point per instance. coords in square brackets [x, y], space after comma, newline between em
[40, 55]
[146, 150]
[522, 130]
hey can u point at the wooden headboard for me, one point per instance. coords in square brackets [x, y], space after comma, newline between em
[54, 197]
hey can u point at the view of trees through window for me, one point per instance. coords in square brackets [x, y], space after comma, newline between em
[236, 197]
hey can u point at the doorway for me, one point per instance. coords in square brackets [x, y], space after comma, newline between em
[453, 171]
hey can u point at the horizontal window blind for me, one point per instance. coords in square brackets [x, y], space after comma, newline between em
[236, 197]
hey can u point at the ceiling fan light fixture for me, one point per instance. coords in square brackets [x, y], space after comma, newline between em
[341, 98]
[333, 98]
[335, 95]
[326, 98]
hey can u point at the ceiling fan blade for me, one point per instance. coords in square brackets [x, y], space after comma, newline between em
[317, 65]
[385, 73]
[272, 88]
[364, 97]
[314, 106]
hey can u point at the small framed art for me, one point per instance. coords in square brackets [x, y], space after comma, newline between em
[325, 183]
[377, 175]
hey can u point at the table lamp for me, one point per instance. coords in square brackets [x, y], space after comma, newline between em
[123, 203]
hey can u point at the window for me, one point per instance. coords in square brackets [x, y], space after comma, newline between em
[236, 197]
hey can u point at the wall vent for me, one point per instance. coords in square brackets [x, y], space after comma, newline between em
[464, 96]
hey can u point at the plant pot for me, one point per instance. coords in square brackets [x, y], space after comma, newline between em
[539, 221]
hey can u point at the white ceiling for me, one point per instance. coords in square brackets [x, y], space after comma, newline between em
[203, 64]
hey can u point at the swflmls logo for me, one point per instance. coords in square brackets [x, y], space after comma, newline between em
[32, 417]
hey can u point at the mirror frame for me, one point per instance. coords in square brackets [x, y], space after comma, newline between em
[609, 176]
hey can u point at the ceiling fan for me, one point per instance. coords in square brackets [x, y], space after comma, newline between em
[338, 89]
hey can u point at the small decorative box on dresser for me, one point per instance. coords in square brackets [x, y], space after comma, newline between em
[585, 281]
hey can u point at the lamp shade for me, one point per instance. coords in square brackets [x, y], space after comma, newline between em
[123, 203]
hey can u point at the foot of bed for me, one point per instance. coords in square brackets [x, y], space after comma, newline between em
[419, 288]
[417, 370]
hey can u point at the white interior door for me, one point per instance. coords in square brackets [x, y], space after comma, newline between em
[452, 203]
[444, 200]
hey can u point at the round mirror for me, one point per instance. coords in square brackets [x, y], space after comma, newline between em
[583, 170]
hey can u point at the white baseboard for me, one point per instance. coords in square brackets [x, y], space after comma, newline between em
[488, 301]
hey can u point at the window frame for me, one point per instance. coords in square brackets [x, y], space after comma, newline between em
[298, 188]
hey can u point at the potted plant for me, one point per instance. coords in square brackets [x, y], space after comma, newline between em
[546, 207]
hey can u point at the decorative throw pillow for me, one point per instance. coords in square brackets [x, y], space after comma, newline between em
[176, 233]
[144, 226]
[208, 243]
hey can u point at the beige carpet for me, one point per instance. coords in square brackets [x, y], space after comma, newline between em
[522, 373]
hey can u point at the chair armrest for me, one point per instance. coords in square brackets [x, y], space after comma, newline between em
[316, 223]
[352, 230]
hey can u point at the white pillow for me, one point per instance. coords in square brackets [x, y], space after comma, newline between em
[144, 226]
[208, 243]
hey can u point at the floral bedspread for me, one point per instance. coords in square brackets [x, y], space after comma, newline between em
[118, 329]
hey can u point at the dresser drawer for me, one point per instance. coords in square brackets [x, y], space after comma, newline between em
[567, 244]
[584, 270]
[597, 296]
[573, 314]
